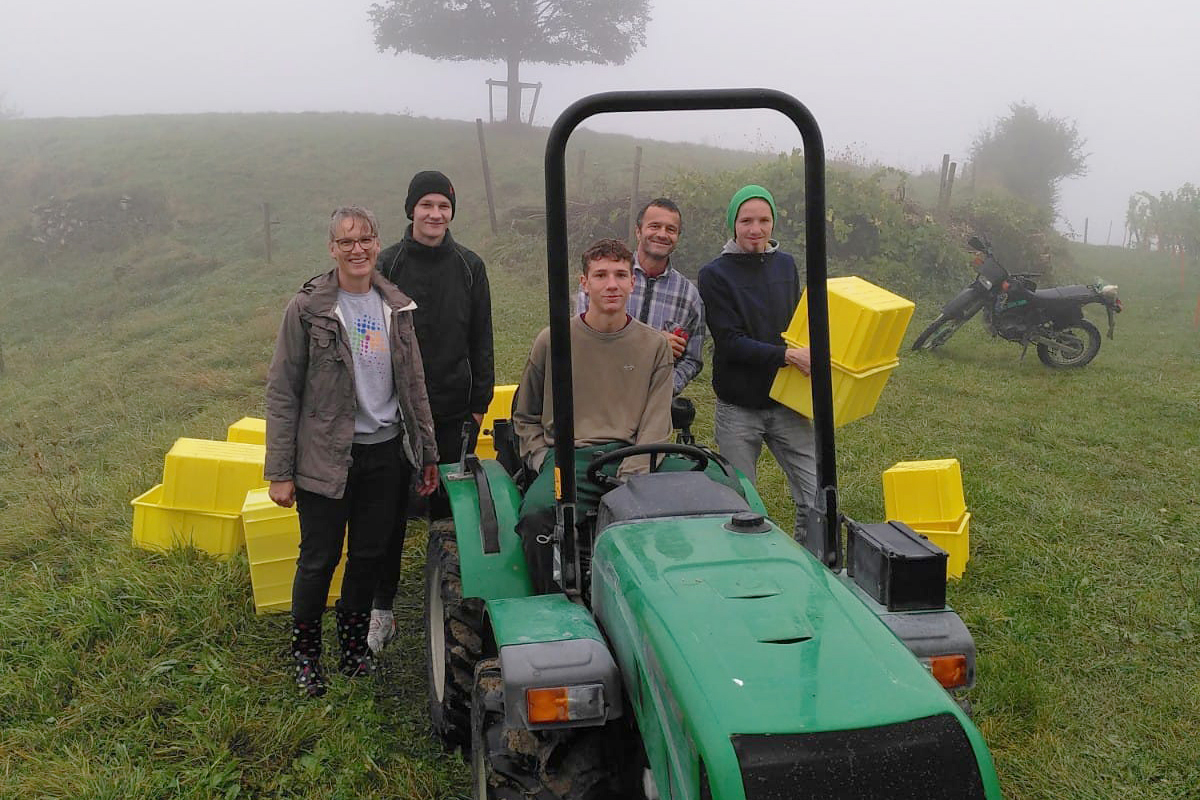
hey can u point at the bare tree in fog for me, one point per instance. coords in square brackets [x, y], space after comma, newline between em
[513, 31]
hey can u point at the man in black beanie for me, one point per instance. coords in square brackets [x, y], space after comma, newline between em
[453, 320]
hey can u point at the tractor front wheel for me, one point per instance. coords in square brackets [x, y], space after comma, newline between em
[509, 763]
[453, 638]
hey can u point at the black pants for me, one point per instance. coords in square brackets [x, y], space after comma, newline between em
[378, 473]
[539, 515]
[449, 442]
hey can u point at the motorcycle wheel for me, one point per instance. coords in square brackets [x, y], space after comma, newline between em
[937, 333]
[1077, 346]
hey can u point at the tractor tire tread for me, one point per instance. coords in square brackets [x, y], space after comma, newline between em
[462, 637]
[565, 764]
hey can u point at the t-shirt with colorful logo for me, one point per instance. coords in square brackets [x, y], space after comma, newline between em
[377, 415]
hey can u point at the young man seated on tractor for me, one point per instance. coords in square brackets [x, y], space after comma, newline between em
[621, 384]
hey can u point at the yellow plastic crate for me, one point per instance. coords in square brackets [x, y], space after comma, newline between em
[855, 393]
[866, 323]
[157, 526]
[248, 430]
[272, 537]
[952, 536]
[924, 491]
[499, 408]
[206, 475]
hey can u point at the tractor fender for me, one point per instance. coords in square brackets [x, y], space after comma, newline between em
[486, 503]
[546, 641]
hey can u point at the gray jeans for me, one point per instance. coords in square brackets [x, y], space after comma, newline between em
[789, 436]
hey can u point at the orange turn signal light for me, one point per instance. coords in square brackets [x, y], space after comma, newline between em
[950, 671]
[548, 705]
[576, 703]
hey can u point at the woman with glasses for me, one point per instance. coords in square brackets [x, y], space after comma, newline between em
[348, 422]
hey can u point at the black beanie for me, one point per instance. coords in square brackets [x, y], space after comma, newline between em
[428, 182]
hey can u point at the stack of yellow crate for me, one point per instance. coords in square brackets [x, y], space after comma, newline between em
[201, 496]
[866, 326]
[272, 536]
[928, 497]
[214, 498]
[251, 430]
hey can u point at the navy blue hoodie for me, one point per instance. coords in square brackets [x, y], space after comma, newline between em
[749, 299]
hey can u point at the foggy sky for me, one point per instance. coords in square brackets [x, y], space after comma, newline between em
[898, 83]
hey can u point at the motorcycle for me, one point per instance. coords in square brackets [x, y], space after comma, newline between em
[1015, 309]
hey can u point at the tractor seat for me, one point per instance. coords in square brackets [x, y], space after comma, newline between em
[667, 494]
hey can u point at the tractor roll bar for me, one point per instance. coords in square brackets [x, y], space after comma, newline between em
[822, 523]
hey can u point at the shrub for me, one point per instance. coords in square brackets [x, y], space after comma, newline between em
[871, 230]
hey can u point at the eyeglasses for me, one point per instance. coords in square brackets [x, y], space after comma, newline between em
[347, 245]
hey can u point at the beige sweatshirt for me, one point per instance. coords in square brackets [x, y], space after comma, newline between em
[621, 385]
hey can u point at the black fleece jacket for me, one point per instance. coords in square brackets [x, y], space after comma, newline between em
[749, 299]
[453, 321]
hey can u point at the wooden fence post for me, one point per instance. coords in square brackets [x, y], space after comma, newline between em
[267, 229]
[947, 187]
[579, 174]
[487, 175]
[537, 92]
[633, 195]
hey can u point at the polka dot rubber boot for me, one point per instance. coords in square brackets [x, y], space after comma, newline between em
[306, 656]
[352, 629]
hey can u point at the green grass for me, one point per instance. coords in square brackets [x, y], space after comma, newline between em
[129, 674]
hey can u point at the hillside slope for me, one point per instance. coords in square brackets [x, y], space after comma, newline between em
[128, 674]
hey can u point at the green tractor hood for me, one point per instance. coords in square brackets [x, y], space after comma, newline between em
[733, 643]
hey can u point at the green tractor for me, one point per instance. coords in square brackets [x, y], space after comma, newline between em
[696, 651]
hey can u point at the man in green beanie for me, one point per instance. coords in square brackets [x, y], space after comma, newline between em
[750, 292]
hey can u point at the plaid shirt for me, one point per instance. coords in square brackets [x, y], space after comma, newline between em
[668, 301]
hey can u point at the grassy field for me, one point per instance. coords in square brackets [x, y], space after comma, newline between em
[131, 674]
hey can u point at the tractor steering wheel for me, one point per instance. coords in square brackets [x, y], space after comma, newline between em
[695, 454]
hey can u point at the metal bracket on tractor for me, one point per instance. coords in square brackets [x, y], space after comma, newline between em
[696, 651]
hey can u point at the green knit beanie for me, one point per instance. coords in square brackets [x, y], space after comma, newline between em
[749, 193]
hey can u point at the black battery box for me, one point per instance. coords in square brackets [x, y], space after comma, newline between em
[899, 568]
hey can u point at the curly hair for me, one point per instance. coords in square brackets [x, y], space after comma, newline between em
[609, 249]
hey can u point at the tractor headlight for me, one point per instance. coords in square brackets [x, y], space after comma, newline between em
[565, 703]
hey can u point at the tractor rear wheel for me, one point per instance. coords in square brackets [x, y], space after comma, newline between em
[510, 763]
[453, 638]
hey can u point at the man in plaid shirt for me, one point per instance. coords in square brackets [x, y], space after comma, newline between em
[662, 297]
